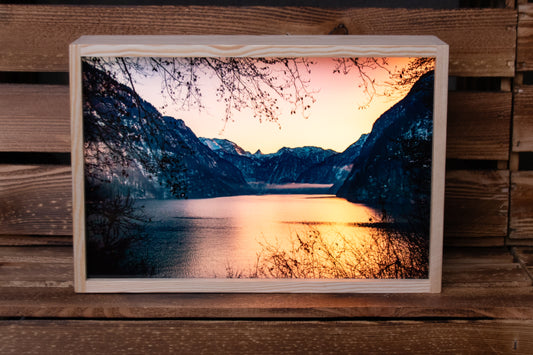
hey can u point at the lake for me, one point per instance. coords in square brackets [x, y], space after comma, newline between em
[237, 236]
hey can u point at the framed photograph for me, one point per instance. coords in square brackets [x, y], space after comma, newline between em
[258, 163]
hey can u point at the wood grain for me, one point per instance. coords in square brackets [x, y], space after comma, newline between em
[267, 337]
[521, 210]
[478, 282]
[503, 275]
[36, 37]
[277, 46]
[476, 204]
[523, 119]
[524, 49]
[34, 240]
[479, 125]
[35, 200]
[34, 118]
[455, 302]
[478, 242]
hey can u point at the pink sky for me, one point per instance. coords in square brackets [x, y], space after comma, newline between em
[334, 120]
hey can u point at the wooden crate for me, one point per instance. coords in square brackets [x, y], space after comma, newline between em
[486, 304]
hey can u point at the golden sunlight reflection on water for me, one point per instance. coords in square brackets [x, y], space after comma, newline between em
[304, 236]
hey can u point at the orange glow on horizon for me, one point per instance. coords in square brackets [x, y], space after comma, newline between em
[334, 120]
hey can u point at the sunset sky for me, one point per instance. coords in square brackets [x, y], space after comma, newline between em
[334, 120]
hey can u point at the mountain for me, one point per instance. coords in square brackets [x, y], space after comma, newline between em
[207, 174]
[394, 164]
[225, 146]
[287, 164]
[132, 146]
[247, 163]
[284, 166]
[335, 168]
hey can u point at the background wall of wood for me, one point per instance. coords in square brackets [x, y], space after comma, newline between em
[486, 304]
[490, 120]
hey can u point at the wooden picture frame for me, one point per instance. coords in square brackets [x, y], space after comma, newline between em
[103, 165]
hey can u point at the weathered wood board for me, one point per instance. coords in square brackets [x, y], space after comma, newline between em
[479, 125]
[36, 118]
[35, 199]
[478, 282]
[477, 203]
[38, 201]
[36, 37]
[524, 50]
[260, 337]
[523, 119]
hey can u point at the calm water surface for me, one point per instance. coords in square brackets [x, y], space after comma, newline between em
[209, 237]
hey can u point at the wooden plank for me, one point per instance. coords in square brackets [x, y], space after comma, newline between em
[454, 258]
[34, 118]
[267, 337]
[523, 119]
[36, 267]
[479, 125]
[36, 37]
[521, 213]
[498, 275]
[476, 204]
[32, 240]
[41, 255]
[35, 200]
[476, 255]
[458, 302]
[455, 241]
[37, 282]
[524, 49]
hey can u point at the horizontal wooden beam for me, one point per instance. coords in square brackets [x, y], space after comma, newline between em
[477, 282]
[37, 201]
[36, 37]
[35, 240]
[479, 125]
[35, 118]
[523, 119]
[476, 204]
[267, 337]
[524, 50]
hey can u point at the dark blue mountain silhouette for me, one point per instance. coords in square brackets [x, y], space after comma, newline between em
[394, 165]
[335, 168]
[137, 149]
[284, 166]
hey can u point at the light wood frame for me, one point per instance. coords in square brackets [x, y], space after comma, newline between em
[261, 46]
